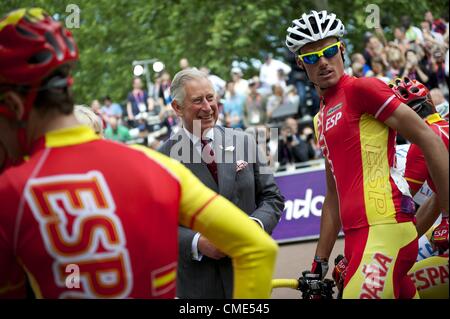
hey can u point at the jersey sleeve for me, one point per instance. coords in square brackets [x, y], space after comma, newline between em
[376, 98]
[228, 228]
[416, 171]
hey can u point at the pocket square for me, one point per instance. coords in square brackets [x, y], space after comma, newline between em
[240, 165]
[227, 148]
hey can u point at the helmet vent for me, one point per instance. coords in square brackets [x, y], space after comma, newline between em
[51, 39]
[41, 57]
[313, 24]
[25, 32]
[68, 43]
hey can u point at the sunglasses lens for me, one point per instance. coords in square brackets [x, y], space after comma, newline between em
[331, 52]
[311, 59]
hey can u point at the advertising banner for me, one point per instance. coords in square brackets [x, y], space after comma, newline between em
[304, 191]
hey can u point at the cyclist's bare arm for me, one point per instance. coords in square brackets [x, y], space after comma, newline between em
[330, 222]
[427, 215]
[405, 121]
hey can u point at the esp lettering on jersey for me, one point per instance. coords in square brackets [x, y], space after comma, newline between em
[78, 224]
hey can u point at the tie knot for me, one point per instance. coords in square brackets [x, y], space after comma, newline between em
[205, 142]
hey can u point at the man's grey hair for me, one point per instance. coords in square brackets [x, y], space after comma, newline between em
[181, 78]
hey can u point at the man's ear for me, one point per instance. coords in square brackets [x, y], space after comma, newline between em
[14, 103]
[343, 48]
[177, 108]
[299, 63]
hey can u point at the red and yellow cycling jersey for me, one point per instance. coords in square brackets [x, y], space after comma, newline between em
[430, 276]
[360, 149]
[416, 171]
[87, 218]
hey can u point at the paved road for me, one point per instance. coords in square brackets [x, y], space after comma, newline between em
[295, 258]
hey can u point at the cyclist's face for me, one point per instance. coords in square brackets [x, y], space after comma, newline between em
[326, 72]
[199, 106]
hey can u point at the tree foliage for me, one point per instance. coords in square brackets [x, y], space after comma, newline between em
[209, 33]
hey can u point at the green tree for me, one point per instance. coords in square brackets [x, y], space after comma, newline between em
[213, 33]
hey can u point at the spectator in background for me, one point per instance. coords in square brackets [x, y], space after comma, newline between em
[164, 90]
[434, 38]
[360, 60]
[291, 97]
[233, 107]
[309, 137]
[240, 84]
[373, 48]
[292, 148]
[111, 109]
[255, 110]
[441, 104]
[357, 70]
[412, 68]
[218, 83]
[184, 64]
[138, 101]
[96, 107]
[437, 71]
[400, 39]
[86, 116]
[275, 100]
[268, 73]
[395, 59]
[282, 79]
[413, 34]
[117, 132]
[437, 25]
[154, 93]
[378, 70]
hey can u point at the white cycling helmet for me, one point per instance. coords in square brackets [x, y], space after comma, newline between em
[313, 27]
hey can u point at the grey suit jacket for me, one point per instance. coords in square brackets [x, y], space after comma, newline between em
[249, 189]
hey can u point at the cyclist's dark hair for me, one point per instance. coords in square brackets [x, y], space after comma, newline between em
[426, 110]
[51, 97]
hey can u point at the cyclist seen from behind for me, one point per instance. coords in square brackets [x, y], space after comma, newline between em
[366, 197]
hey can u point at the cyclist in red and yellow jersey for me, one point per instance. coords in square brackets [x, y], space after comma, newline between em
[85, 217]
[356, 128]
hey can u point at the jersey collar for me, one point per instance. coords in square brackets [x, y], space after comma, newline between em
[343, 81]
[65, 137]
[433, 118]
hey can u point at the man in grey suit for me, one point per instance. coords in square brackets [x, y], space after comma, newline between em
[230, 163]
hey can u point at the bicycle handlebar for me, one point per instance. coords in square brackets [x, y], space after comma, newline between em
[285, 283]
[310, 286]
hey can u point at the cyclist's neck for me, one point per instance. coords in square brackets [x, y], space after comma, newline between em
[326, 92]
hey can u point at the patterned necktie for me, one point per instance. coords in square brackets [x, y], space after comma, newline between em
[209, 158]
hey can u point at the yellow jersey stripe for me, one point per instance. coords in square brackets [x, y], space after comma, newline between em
[378, 199]
[164, 279]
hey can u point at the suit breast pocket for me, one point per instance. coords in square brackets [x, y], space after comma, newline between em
[245, 180]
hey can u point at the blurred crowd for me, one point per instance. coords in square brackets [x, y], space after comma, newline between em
[281, 97]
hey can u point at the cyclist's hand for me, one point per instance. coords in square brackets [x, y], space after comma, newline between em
[439, 238]
[340, 271]
[208, 249]
[320, 266]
